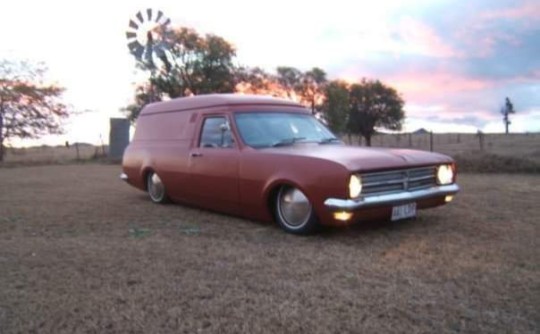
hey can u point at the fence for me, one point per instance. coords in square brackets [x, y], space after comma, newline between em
[514, 144]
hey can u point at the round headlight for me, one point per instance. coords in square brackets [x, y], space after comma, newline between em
[355, 186]
[445, 174]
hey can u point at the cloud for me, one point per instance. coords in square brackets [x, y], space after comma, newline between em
[418, 38]
[453, 61]
[526, 10]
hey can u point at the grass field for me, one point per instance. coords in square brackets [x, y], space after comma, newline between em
[80, 251]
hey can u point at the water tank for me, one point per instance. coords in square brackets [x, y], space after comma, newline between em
[118, 137]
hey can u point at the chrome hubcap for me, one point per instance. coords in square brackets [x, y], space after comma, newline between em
[293, 207]
[155, 188]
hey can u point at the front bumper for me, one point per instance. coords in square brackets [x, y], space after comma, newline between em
[337, 204]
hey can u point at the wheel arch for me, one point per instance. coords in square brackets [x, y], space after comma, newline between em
[272, 189]
[145, 171]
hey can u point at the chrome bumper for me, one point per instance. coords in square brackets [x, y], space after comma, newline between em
[123, 177]
[369, 201]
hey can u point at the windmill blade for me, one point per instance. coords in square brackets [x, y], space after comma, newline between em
[140, 17]
[159, 15]
[166, 22]
[133, 25]
[136, 49]
[149, 14]
[131, 35]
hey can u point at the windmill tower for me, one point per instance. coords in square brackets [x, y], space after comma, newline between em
[147, 42]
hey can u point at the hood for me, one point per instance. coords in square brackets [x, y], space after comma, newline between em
[356, 158]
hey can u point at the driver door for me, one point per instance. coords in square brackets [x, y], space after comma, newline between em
[213, 165]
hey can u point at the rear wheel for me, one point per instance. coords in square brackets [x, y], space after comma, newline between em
[156, 188]
[294, 212]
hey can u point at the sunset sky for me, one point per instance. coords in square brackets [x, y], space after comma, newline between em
[453, 61]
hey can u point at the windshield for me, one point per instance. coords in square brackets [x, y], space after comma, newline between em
[272, 129]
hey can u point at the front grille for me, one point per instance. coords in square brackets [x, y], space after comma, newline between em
[398, 180]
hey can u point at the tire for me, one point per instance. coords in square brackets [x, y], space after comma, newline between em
[156, 189]
[294, 212]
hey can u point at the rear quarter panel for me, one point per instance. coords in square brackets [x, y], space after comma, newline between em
[161, 143]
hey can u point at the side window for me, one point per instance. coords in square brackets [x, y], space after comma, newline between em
[216, 132]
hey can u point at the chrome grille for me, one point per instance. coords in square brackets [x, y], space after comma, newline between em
[398, 180]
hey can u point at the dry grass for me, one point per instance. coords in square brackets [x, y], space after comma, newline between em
[41, 155]
[82, 252]
[513, 153]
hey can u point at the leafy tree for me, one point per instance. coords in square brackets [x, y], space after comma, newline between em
[368, 104]
[144, 94]
[290, 80]
[254, 80]
[29, 107]
[506, 110]
[308, 87]
[336, 105]
[312, 87]
[185, 63]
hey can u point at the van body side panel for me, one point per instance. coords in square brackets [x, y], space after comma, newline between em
[165, 142]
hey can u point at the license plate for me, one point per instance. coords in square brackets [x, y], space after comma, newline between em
[404, 211]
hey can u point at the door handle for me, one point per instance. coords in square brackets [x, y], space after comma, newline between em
[196, 154]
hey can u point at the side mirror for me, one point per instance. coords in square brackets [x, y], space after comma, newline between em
[225, 127]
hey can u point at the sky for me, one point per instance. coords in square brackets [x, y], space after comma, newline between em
[454, 62]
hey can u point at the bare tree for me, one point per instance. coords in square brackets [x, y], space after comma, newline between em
[29, 107]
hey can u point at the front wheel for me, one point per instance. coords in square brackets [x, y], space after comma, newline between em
[294, 212]
[156, 189]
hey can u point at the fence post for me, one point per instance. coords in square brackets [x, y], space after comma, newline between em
[77, 149]
[410, 139]
[480, 136]
[431, 141]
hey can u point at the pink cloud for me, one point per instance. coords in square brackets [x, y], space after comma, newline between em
[420, 86]
[419, 38]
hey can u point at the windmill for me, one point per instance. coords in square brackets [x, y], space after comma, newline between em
[147, 37]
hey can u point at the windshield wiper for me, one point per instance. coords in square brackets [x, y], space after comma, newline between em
[329, 140]
[287, 141]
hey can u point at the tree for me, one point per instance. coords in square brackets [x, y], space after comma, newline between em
[312, 87]
[290, 80]
[254, 80]
[307, 87]
[29, 107]
[144, 94]
[184, 64]
[336, 105]
[506, 110]
[370, 104]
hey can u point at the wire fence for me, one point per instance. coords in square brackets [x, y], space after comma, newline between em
[522, 145]
[514, 144]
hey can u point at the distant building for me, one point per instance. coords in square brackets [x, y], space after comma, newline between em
[421, 131]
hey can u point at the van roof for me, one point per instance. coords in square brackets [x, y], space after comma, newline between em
[214, 100]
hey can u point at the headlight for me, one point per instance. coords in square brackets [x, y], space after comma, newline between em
[445, 174]
[355, 186]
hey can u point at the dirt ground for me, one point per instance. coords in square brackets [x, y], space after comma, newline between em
[80, 251]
